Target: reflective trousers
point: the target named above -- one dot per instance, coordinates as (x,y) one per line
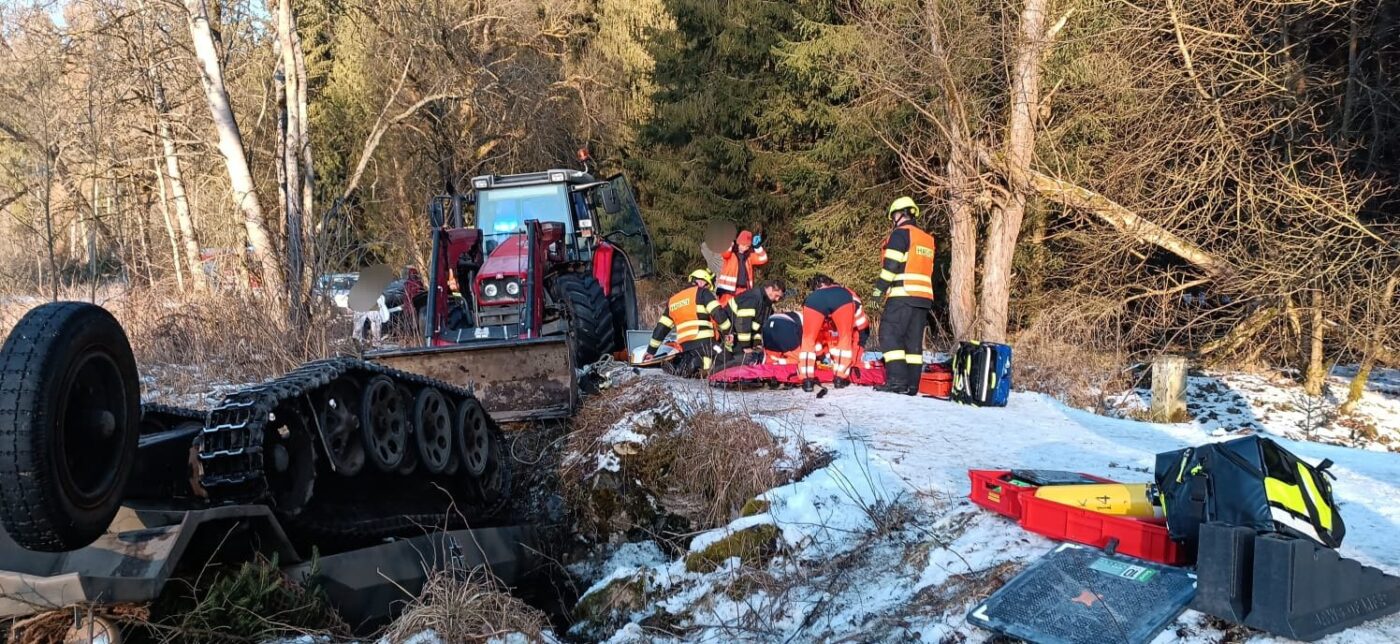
(902,340)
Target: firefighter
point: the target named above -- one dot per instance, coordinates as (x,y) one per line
(697,319)
(782,337)
(906,281)
(740,260)
(827,301)
(748,311)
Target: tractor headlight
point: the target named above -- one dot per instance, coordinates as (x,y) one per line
(512,288)
(490,290)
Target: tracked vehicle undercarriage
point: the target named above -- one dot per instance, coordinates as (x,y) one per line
(340,449)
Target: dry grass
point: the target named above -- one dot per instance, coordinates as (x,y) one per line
(1068,354)
(467,606)
(725,459)
(191,342)
(697,463)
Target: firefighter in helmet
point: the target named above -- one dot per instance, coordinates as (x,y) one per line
(698,320)
(906,283)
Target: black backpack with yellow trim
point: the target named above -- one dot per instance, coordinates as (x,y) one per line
(1251,482)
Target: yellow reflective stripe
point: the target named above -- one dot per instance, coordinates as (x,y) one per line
(705,363)
(666,321)
(724,326)
(886,275)
(1289,496)
(745,337)
(892,356)
(916,277)
(895,255)
(748,313)
(710,308)
(655,344)
(684,326)
(909,291)
(914,358)
(1324,512)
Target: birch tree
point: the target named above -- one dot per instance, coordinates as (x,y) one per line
(230,144)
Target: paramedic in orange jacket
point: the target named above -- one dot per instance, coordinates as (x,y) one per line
(739,263)
(698,321)
(906,282)
(827,301)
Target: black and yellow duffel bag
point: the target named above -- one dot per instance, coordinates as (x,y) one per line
(1250,482)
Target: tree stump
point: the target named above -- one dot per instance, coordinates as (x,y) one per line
(1169,390)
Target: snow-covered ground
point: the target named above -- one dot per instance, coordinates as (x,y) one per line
(1275,403)
(882,545)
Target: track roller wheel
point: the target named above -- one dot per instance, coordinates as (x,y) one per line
(340,428)
(289,455)
(384,423)
(409,465)
(473,437)
(432,429)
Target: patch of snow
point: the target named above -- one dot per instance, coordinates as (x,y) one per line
(850,572)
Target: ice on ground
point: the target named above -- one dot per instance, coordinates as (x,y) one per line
(882,545)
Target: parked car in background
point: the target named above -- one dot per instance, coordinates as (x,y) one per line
(335,286)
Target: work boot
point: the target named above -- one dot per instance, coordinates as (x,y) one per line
(911,391)
(840,383)
(892,388)
(808,384)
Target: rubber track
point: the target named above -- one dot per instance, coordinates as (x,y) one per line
(230,446)
(169,413)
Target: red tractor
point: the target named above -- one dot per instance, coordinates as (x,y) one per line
(532,277)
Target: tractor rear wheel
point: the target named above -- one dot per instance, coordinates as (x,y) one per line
(590,317)
(70,413)
(622,299)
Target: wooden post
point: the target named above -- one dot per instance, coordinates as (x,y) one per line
(1169,390)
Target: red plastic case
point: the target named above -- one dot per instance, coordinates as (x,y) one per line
(991,491)
(937,384)
(1136,537)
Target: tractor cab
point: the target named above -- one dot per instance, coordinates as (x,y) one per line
(553,253)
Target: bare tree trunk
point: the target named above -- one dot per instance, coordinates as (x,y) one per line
(1374,349)
(170,231)
(308,169)
(962,171)
(183,217)
(1005,224)
(290,158)
(1317,372)
(962,228)
(245,194)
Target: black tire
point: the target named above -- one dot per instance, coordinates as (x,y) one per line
(590,318)
(70,413)
(622,299)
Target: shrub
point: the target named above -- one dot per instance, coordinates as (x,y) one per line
(467,606)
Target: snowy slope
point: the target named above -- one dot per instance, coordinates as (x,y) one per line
(914,583)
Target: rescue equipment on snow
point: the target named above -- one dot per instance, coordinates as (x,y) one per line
(1251,482)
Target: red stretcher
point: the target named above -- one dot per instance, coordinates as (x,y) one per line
(762,374)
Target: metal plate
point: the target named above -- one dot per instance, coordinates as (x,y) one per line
(516,380)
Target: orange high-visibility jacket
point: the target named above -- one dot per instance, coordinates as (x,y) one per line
(737,274)
(693,313)
(908,264)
